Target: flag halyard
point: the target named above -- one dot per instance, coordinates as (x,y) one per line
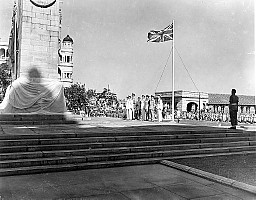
(161,36)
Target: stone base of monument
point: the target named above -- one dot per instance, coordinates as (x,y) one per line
(34,100)
(35,119)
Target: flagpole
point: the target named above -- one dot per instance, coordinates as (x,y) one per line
(173,72)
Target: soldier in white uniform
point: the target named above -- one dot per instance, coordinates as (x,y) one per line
(159,107)
(129,108)
(143,115)
(133,105)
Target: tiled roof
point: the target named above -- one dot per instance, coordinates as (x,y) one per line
(224,99)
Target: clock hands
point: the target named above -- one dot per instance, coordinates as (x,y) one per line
(42,5)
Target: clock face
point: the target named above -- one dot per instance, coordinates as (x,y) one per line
(43,3)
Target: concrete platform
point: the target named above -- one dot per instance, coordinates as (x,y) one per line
(121,183)
(154,181)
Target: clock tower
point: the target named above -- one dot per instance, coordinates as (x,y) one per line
(38,31)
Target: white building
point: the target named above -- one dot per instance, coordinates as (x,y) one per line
(66,64)
(192,101)
(185,100)
(4,56)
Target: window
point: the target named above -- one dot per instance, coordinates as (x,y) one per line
(2,53)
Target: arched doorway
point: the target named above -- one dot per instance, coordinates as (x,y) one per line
(191,106)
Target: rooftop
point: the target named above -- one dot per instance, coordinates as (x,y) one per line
(224,99)
(68,39)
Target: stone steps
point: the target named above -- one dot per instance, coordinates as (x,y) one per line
(130,144)
(84,149)
(78,166)
(96,165)
(35,119)
(118,156)
(81,134)
(35,140)
(29,117)
(44,122)
(119,150)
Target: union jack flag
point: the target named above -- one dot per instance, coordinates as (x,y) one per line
(161,36)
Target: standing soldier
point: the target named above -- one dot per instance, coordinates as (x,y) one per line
(129,108)
(138,109)
(178,115)
(133,105)
(151,110)
(142,104)
(159,107)
(146,106)
(233,108)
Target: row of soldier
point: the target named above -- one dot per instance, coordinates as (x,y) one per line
(145,108)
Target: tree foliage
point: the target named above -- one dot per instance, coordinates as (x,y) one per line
(109,97)
(5,78)
(77,97)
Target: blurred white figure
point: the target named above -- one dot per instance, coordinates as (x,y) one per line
(159,107)
(129,106)
(142,105)
(178,115)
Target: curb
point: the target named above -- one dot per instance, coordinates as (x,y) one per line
(212,177)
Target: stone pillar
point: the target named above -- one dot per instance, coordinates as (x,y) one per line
(38,38)
(252,109)
(226,109)
(247,109)
(240,110)
(179,104)
(222,109)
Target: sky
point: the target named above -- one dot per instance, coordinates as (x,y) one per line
(214,42)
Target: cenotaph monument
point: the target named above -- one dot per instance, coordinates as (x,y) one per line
(34,51)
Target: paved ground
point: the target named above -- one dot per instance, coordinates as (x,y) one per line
(133,182)
(117,122)
(122,183)
(241,167)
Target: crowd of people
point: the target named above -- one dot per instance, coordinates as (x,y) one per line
(208,115)
(152,108)
(145,108)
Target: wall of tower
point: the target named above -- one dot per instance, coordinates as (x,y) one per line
(38,39)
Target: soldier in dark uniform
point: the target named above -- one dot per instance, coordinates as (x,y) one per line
(233,108)
(133,106)
(138,109)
